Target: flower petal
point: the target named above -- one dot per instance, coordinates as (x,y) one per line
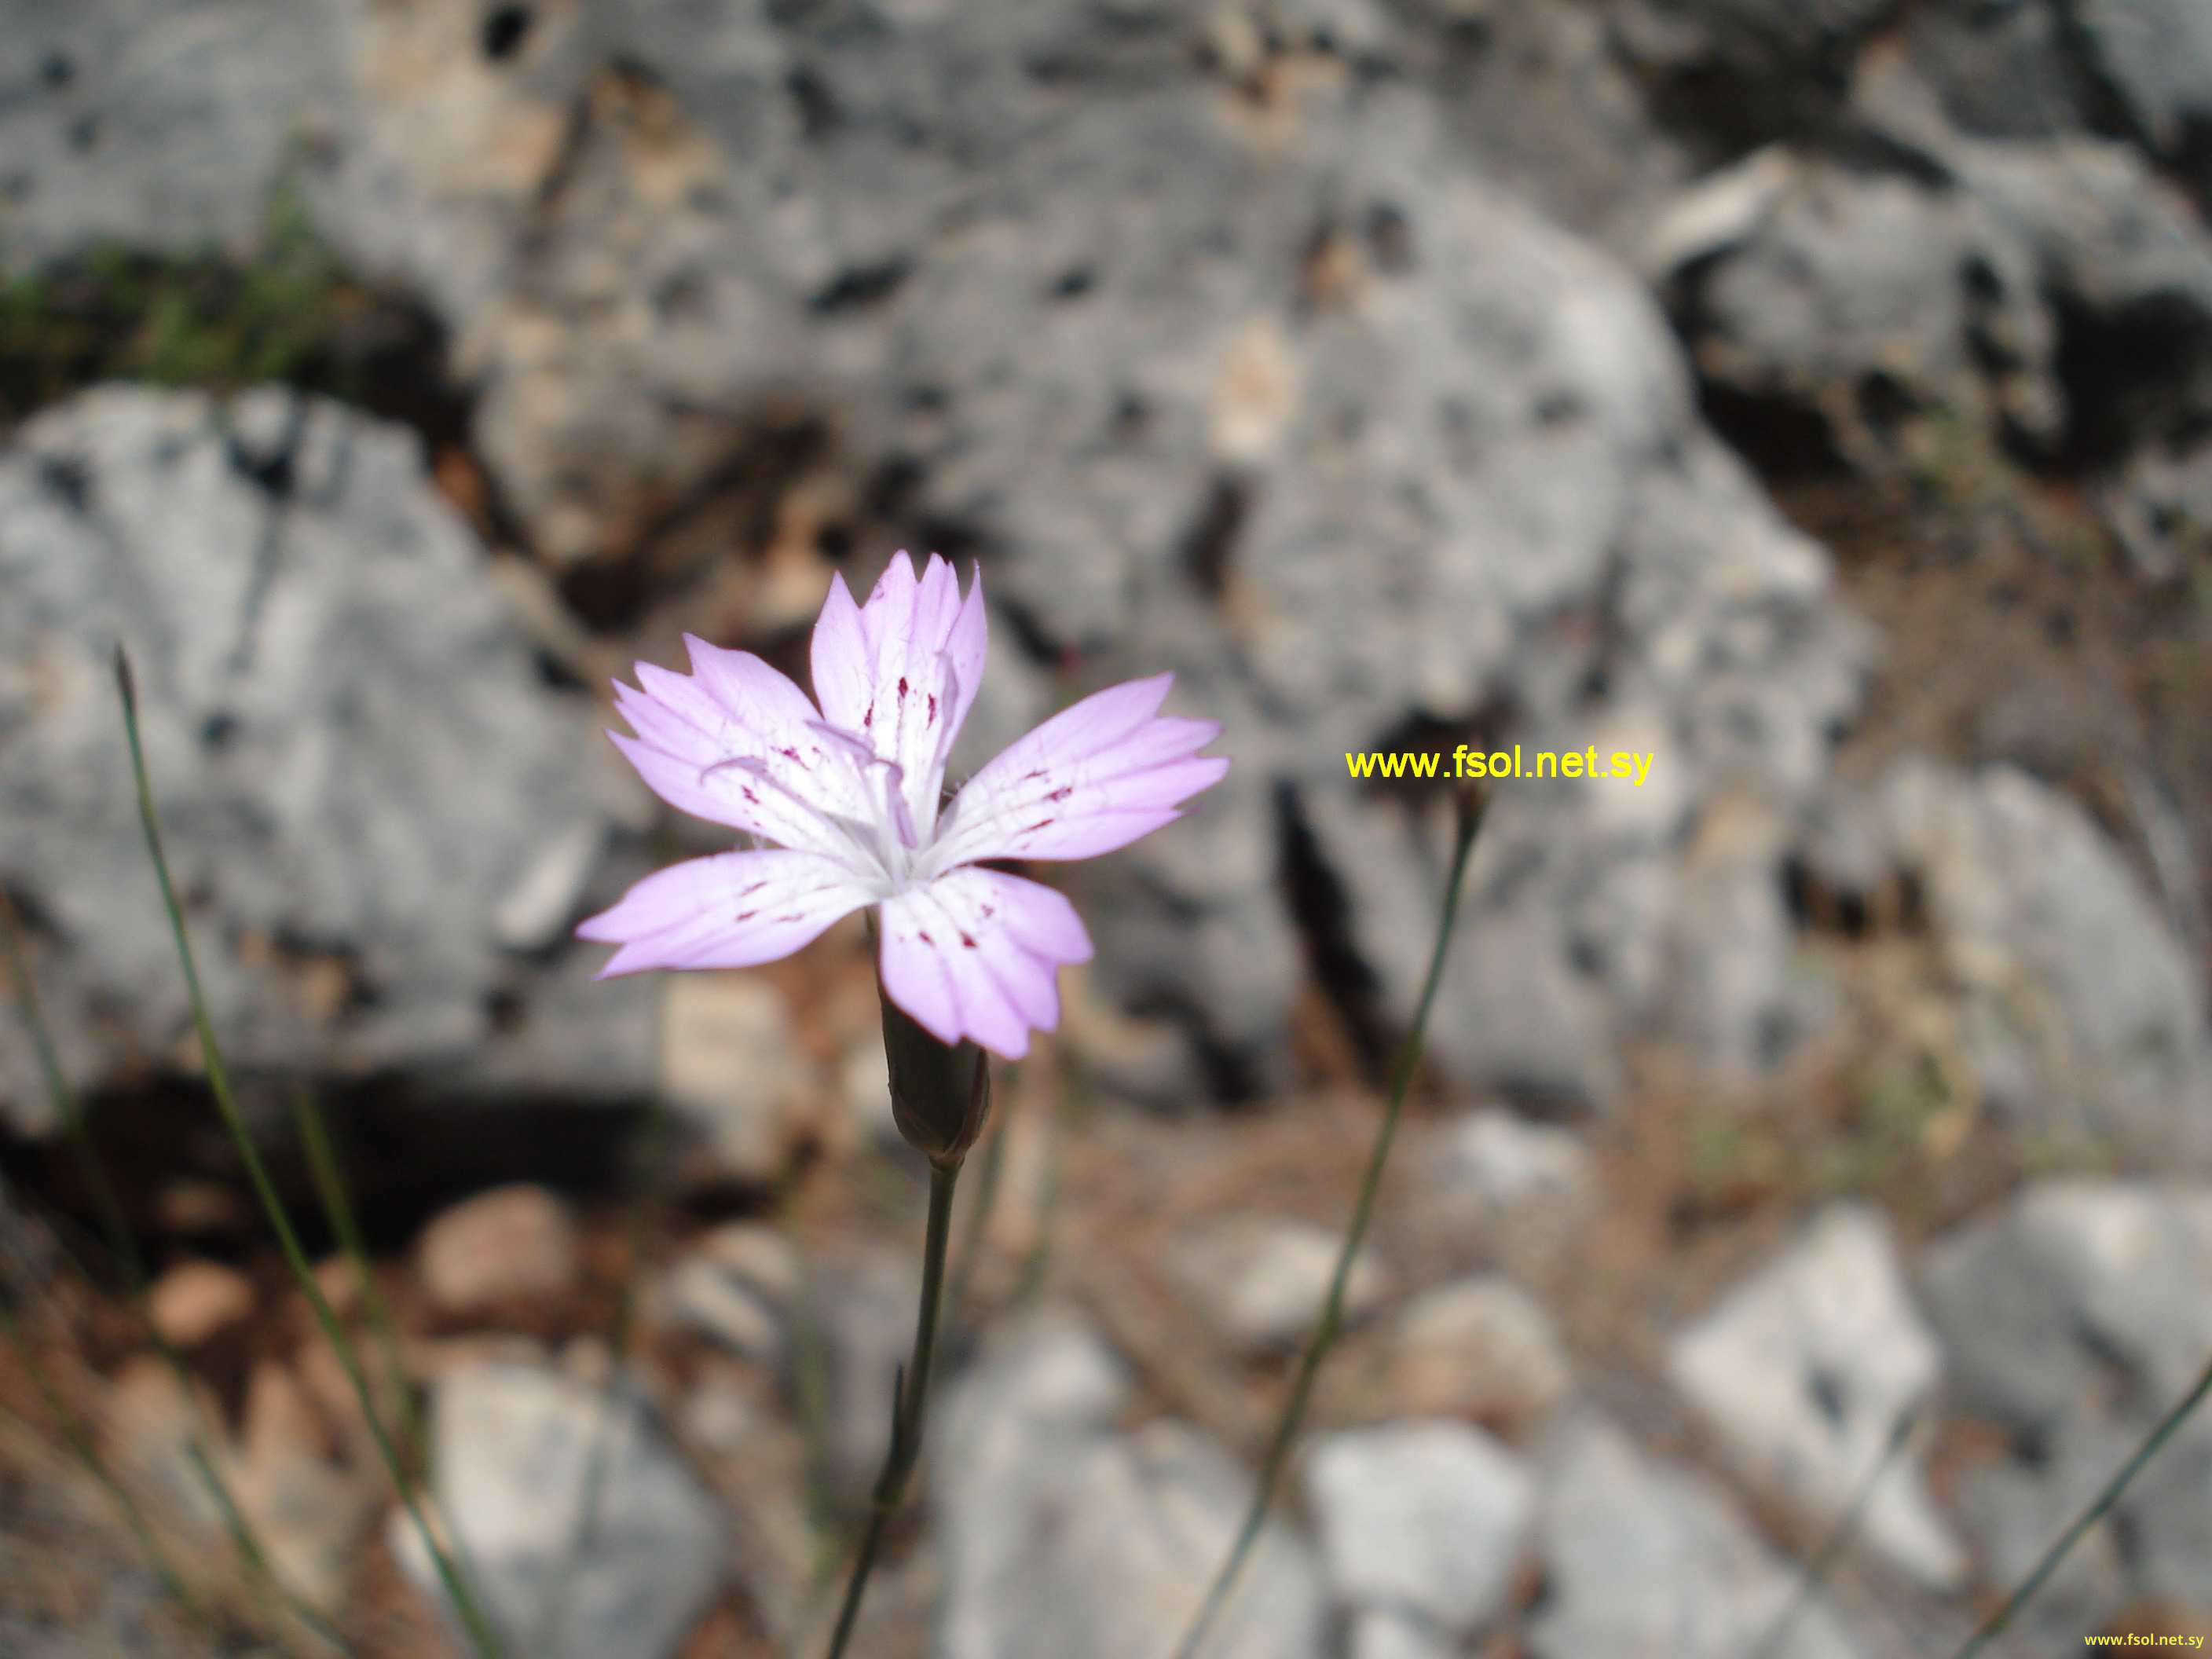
(735,742)
(1091,779)
(975,953)
(731,910)
(901,672)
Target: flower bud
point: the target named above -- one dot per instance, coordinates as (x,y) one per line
(940,1095)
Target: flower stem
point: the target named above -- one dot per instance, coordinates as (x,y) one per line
(910,1400)
(979,1222)
(1332,1312)
(2097,1511)
(479,1629)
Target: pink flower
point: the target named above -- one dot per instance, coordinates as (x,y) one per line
(850,797)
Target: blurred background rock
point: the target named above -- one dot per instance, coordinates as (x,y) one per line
(1817,395)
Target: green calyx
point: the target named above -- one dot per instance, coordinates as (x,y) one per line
(940,1095)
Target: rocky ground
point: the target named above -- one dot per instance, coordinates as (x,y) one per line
(1818,1138)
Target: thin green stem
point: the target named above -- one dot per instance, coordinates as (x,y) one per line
(329,1176)
(123,1243)
(910,1403)
(810,1380)
(979,1221)
(2099,1507)
(478,1628)
(1331,1313)
(1822,1561)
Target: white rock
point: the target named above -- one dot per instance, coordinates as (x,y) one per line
(1805,1372)
(1481,1348)
(1380,1633)
(1262,1279)
(1058,1536)
(1641,1557)
(1428,1517)
(511,1445)
(1495,1158)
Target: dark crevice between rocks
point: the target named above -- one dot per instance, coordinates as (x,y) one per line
(506,30)
(858,288)
(406,1153)
(1209,545)
(1321,910)
(732,505)
(1721,112)
(1782,441)
(820,116)
(2099,99)
(1780,438)
(1485,730)
(1028,631)
(1824,1389)
(2126,375)
(1897,906)
(293,315)
(1854,148)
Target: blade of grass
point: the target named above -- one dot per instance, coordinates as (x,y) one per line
(329,1176)
(478,1628)
(1332,1312)
(1822,1561)
(123,1244)
(2099,1506)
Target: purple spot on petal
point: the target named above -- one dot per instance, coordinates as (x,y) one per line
(1026,776)
(749,795)
(1061,793)
(869,719)
(932,710)
(923,937)
(793,916)
(1041,824)
(990,910)
(747,915)
(968,941)
(790,755)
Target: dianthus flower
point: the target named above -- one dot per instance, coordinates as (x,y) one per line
(850,798)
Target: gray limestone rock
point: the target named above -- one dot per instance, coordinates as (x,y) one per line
(2074,1319)
(511,1446)
(1806,1372)
(1058,1535)
(1426,1518)
(1209,337)
(2084,1017)
(1645,1558)
(360,775)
